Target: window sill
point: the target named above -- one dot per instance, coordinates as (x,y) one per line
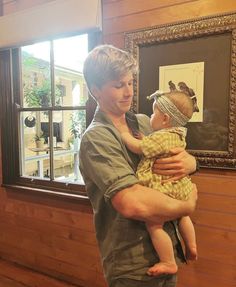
(26,192)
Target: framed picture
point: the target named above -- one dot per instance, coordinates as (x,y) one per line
(201,53)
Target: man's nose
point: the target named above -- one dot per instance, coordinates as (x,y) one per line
(128,90)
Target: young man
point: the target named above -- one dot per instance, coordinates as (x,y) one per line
(120,204)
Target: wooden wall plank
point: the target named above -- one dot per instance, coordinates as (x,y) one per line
(190,277)
(128,7)
(215,202)
(219,235)
(213,268)
(26,278)
(66,251)
(116,40)
(76,274)
(6,282)
(215,219)
(216,183)
(68,218)
(62,231)
(0,162)
(57,238)
(166,15)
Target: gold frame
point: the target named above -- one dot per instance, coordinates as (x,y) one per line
(224,24)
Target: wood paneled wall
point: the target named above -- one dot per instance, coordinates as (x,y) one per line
(121,16)
(50,235)
(56,237)
(215,223)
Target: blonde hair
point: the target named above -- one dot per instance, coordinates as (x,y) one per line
(106,63)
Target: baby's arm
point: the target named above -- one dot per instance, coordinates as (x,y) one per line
(131,142)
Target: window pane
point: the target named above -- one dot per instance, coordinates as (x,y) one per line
(66,165)
(68,127)
(50,137)
(69,56)
(34,149)
(36,76)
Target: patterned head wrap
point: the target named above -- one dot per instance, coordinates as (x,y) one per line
(166,106)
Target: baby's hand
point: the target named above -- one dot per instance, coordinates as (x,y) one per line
(138,135)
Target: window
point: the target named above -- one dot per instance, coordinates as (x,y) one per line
(46,107)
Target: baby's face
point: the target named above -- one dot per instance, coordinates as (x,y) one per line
(157,119)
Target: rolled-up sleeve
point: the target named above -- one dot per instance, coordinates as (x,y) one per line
(104,158)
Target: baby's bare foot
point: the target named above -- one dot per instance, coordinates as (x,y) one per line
(162,268)
(191,253)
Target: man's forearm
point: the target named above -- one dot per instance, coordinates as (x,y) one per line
(146,204)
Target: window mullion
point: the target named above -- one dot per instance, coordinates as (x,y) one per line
(22,144)
(50,113)
(52,65)
(51,154)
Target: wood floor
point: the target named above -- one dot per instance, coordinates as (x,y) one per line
(12,275)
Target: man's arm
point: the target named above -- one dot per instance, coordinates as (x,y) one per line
(180,164)
(146,204)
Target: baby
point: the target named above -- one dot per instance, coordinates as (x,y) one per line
(171,111)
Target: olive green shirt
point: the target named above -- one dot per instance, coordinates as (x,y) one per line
(158,145)
(108,167)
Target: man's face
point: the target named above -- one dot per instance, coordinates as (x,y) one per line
(115,97)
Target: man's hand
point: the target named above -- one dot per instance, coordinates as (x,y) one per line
(176,166)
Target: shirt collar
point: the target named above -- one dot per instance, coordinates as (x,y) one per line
(131,120)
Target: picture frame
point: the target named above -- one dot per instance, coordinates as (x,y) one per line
(209,40)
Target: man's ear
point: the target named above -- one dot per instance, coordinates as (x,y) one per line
(95,92)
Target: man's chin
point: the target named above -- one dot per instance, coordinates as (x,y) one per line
(126,108)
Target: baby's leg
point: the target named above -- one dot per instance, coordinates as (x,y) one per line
(163,246)
(187,232)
